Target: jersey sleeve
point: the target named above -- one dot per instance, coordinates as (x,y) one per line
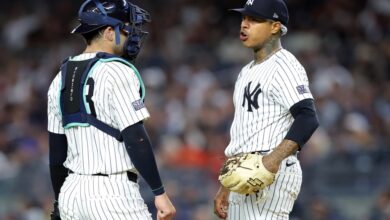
(54,116)
(126,103)
(290,84)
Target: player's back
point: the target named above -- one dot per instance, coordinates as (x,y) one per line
(114,89)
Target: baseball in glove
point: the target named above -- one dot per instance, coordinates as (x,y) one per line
(245,174)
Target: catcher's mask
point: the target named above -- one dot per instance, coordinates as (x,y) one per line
(95,14)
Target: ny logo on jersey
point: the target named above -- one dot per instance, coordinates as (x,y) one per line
(249,2)
(251,97)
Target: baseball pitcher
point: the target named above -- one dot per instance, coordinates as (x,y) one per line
(274,117)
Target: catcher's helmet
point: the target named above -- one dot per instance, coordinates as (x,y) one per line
(95,14)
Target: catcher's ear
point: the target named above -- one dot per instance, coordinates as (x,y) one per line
(276,27)
(109,33)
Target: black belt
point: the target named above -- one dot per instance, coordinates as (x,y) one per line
(130,175)
(262,152)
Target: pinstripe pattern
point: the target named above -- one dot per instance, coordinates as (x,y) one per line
(91,151)
(263,95)
(264,128)
(97,197)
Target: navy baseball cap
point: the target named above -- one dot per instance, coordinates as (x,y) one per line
(269,9)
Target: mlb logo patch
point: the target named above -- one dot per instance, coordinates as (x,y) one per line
(249,2)
(303,89)
(137,105)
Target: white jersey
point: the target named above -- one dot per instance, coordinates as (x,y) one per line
(117,102)
(263,95)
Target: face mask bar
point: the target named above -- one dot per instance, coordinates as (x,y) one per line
(138,16)
(133,44)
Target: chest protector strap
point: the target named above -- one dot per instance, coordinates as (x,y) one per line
(76,102)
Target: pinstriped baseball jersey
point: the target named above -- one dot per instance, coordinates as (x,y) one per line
(263,95)
(116,100)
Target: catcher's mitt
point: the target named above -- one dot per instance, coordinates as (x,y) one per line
(245,174)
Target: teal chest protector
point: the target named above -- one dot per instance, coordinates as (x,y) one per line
(76,102)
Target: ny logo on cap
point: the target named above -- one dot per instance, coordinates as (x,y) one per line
(275,15)
(249,2)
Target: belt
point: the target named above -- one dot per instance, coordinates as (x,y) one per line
(264,152)
(261,152)
(130,175)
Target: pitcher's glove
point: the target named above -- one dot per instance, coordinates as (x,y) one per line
(245,174)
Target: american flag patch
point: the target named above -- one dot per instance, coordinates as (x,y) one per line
(137,105)
(303,89)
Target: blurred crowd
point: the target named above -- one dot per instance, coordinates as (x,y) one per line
(189,63)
